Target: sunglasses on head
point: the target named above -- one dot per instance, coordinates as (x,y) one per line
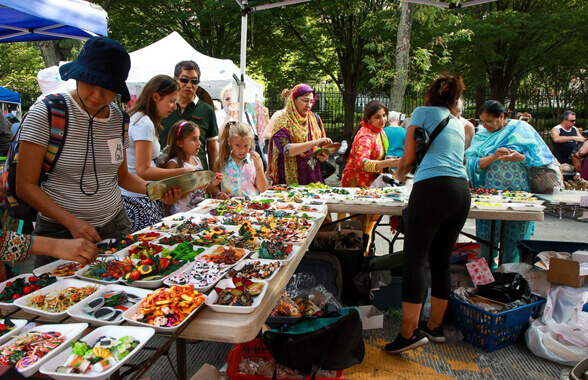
(186,80)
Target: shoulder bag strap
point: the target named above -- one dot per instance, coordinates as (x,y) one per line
(436,132)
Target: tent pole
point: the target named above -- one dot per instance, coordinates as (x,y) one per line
(244,12)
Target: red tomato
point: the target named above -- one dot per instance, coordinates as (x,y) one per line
(15,296)
(26,289)
(33,279)
(9,283)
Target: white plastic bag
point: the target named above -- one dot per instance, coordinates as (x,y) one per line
(562,333)
(547,344)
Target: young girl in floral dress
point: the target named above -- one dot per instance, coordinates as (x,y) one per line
(242,167)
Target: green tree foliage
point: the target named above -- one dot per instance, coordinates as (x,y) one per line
(18,72)
(513,38)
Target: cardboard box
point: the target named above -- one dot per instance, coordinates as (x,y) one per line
(580,256)
(327,237)
(371,318)
(565,272)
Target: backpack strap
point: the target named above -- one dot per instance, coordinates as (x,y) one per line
(125,126)
(58,119)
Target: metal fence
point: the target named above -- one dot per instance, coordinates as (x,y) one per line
(545,108)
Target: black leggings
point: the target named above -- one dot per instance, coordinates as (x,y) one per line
(437,210)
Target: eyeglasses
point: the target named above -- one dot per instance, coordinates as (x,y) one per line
(572,121)
(186,80)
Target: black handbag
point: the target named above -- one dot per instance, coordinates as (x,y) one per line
(332,342)
(327,169)
(424,141)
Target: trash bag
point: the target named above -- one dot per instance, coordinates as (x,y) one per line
(562,333)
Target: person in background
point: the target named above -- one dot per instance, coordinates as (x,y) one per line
(432,226)
(366,155)
(524,116)
(468,127)
(395,134)
(499,158)
(15,122)
(240,165)
(6,135)
(190,108)
(157,101)
(565,136)
(297,134)
(81,197)
(183,141)
(267,133)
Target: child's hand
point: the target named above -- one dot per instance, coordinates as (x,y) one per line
(172,196)
(222,196)
(256,160)
(218,177)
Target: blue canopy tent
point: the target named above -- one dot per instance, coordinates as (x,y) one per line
(37,20)
(7,96)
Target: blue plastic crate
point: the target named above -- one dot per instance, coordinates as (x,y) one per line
(491,331)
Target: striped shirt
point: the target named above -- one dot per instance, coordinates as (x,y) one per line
(63,183)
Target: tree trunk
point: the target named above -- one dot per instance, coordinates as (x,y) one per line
(402,55)
(480,98)
(50,52)
(349,107)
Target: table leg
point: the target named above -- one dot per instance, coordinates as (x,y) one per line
(492,248)
(501,242)
(181,361)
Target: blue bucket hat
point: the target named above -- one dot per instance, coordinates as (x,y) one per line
(102,62)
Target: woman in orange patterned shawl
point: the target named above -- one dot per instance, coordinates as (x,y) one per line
(296,136)
(366,155)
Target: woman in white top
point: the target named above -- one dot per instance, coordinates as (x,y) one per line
(156,102)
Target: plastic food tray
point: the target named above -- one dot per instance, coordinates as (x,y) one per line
(295,250)
(48,268)
(23,302)
(142,334)
(10,306)
(77,312)
(72,331)
(18,325)
(241,264)
(492,331)
(127,315)
(223,284)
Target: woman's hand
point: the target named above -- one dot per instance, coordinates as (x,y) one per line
(392,162)
(187,170)
(323,141)
(80,250)
(322,156)
(83,229)
(513,156)
(172,196)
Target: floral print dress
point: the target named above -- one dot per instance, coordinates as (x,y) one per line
(240,178)
(369,146)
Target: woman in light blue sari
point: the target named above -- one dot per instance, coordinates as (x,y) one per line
(498,158)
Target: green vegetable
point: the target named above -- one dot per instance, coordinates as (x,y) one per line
(125,346)
(80,348)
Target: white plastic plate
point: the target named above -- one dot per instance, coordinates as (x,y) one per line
(526,207)
(72,331)
(240,265)
(10,306)
(154,284)
(48,268)
(80,273)
(142,334)
(128,316)
(77,312)
(18,325)
(24,302)
(295,250)
(494,207)
(213,297)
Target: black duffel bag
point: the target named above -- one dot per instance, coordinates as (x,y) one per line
(332,342)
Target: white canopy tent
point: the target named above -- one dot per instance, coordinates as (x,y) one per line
(161,58)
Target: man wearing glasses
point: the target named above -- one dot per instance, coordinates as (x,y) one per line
(565,136)
(190,108)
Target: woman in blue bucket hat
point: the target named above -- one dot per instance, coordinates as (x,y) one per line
(80,197)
